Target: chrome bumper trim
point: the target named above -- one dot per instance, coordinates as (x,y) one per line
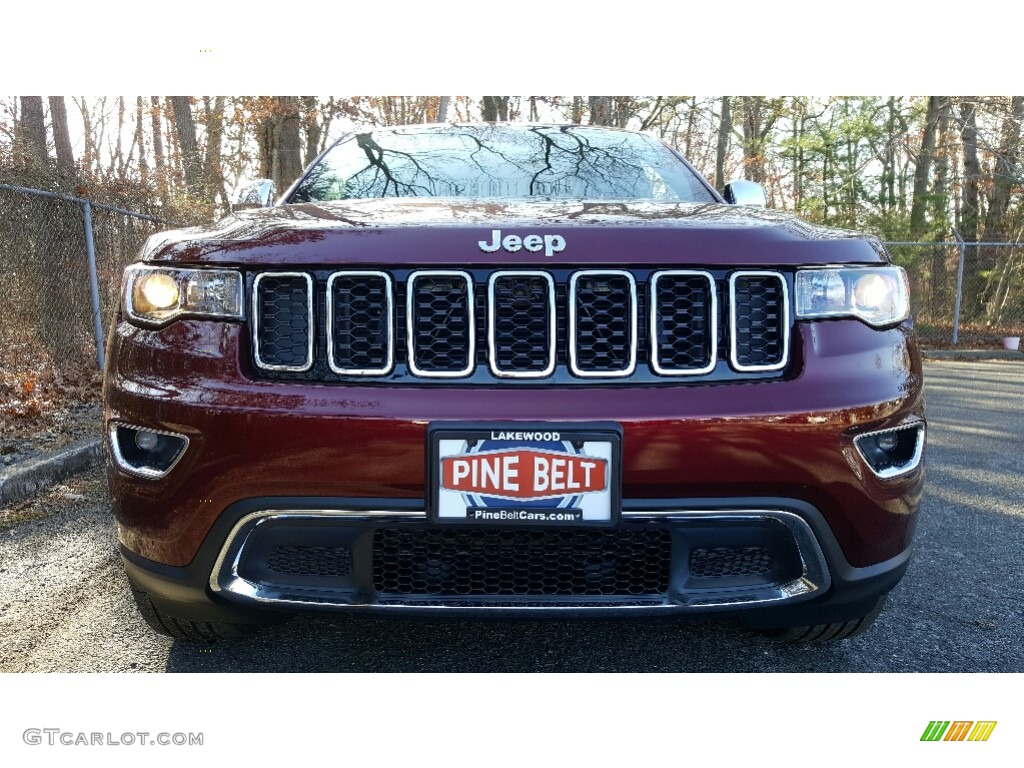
(814,579)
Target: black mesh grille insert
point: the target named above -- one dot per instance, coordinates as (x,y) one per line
(683,322)
(360,310)
(759,320)
(441,319)
(730,561)
(603,303)
(310,561)
(521,330)
(521,562)
(282,321)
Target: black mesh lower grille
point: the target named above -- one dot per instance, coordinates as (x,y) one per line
(521,562)
(604,309)
(360,313)
(310,561)
(759,320)
(441,318)
(722,562)
(521,330)
(283,332)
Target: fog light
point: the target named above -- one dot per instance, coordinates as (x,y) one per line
(147,441)
(145,452)
(892,452)
(887,441)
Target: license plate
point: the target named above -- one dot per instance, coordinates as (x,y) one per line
(524,474)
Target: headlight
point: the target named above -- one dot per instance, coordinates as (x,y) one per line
(877,295)
(158,295)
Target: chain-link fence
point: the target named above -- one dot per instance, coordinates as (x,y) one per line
(964,294)
(61,258)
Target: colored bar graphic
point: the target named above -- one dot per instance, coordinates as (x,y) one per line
(959,730)
(935,730)
(982,730)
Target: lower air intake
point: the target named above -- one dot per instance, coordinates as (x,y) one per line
(521,562)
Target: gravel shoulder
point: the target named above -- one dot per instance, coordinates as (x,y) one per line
(65,606)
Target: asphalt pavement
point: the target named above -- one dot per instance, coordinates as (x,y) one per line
(65,606)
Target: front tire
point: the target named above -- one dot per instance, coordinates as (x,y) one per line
(827,633)
(184,629)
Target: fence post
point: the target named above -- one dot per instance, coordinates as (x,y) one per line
(959,288)
(94,283)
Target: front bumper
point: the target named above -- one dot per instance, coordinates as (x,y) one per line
(233,577)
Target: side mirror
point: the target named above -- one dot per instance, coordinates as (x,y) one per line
(255,194)
(742,192)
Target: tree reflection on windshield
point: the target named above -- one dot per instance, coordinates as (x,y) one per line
(487,161)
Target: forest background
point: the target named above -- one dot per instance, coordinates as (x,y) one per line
(924,169)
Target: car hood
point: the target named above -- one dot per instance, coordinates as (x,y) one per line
(456,231)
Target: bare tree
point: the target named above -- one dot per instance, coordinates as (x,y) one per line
(494,108)
(919,205)
(140,138)
(278,137)
(185,129)
(214,113)
(33,130)
(724,131)
(61,135)
(311,127)
(601,110)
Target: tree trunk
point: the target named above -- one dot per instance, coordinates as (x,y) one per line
(158,141)
(797,165)
(577,109)
(972,171)
(174,175)
(724,131)
(442,109)
(61,135)
(1005,175)
(494,108)
(311,125)
(286,153)
(753,161)
(140,138)
(87,133)
(601,110)
(33,130)
(971,198)
(213,171)
(117,159)
(186,132)
(940,205)
(919,205)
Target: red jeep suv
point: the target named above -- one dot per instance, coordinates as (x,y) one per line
(499,370)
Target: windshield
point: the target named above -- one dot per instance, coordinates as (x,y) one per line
(488,161)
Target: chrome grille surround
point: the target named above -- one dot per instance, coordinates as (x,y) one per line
(388,313)
(492,324)
(573,336)
(256,314)
(711,335)
(734,360)
(410,319)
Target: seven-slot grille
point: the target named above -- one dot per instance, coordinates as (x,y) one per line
(521,324)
